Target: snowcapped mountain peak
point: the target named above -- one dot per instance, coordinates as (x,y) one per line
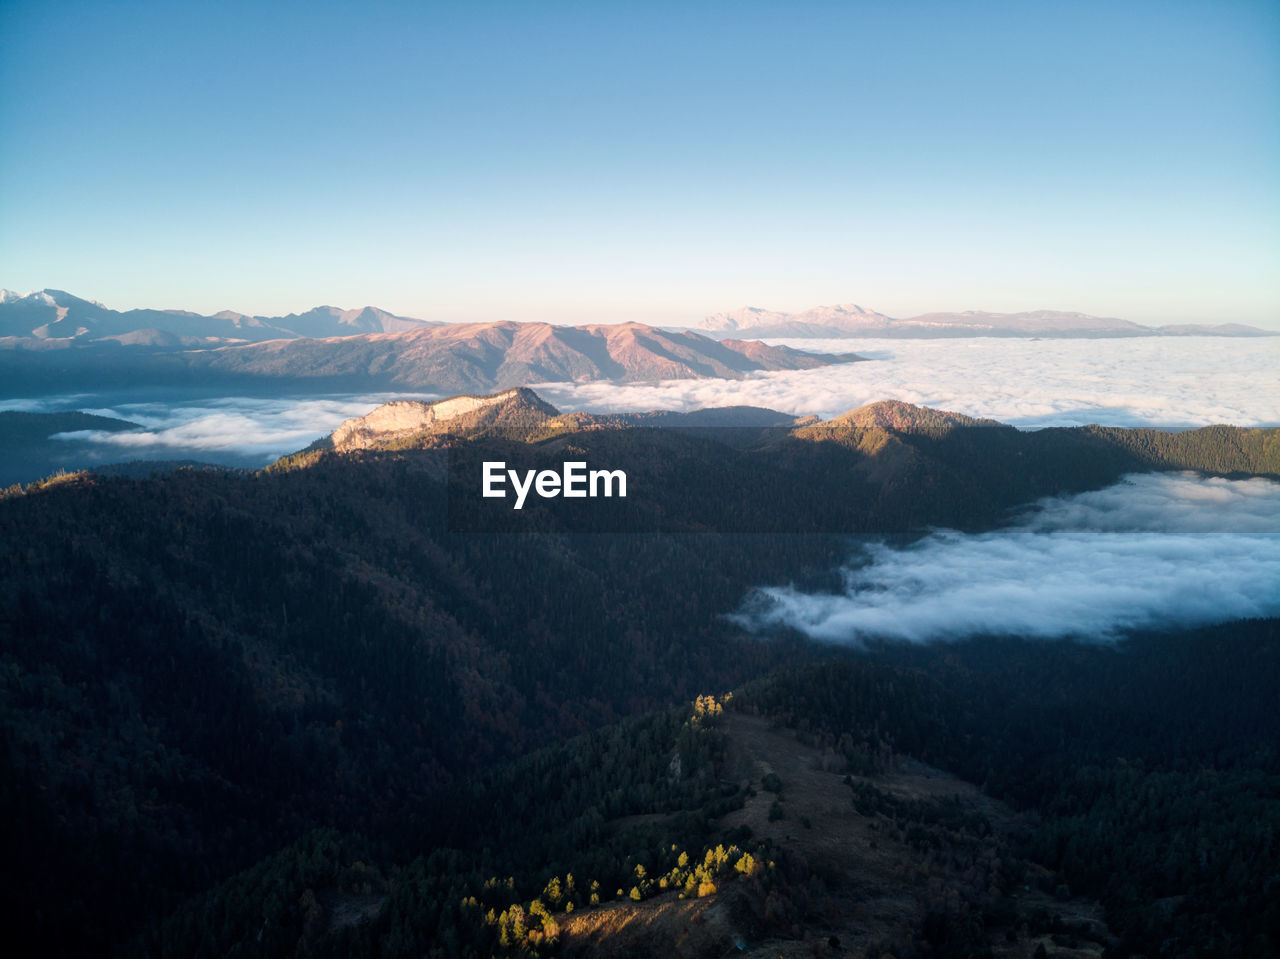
(740,319)
(45,297)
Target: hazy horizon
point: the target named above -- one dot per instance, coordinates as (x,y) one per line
(625,316)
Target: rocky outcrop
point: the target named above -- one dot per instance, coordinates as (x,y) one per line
(402,419)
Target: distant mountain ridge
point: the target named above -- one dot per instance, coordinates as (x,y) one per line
(52,318)
(454,358)
(850,319)
(469,357)
(58,315)
(51,338)
(820,321)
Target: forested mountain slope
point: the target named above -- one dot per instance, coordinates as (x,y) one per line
(199,668)
(795,817)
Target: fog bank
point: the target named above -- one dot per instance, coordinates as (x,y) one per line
(1165,381)
(1153,550)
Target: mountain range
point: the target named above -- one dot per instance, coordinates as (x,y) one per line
(850,319)
(54,318)
(462,357)
(495,355)
(55,315)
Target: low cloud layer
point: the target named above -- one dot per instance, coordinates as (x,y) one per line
(1166,381)
(1154,550)
(237,430)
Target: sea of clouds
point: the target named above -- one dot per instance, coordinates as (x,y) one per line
(234,430)
(1153,550)
(1166,381)
(1157,381)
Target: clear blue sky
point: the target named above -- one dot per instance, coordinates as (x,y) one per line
(656,161)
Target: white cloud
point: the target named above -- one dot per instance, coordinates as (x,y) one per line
(1170,381)
(45,404)
(236,429)
(1164,503)
(1166,381)
(1153,550)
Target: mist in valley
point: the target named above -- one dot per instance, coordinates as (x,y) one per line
(1153,551)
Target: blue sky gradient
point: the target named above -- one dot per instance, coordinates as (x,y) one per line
(649,161)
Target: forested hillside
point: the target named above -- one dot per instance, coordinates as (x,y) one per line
(199,669)
(200,666)
(800,806)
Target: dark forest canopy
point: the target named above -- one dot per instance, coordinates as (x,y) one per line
(200,669)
